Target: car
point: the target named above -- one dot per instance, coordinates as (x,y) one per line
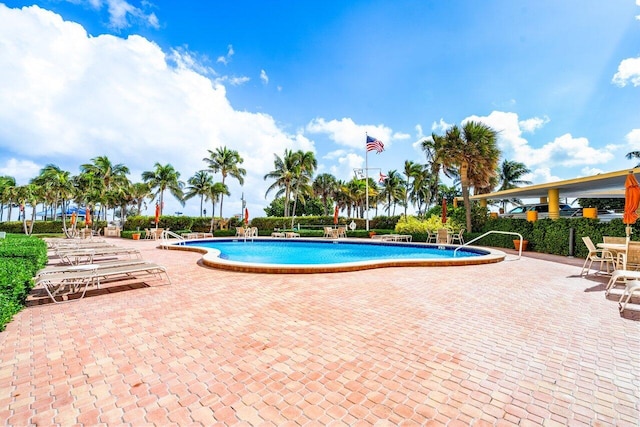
(541,208)
(604,215)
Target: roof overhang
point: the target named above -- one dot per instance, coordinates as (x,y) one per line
(604,185)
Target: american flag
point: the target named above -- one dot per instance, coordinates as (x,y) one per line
(373,144)
(382,177)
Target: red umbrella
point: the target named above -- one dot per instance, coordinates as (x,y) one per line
(157,214)
(631,201)
(444,210)
(335,215)
(246,216)
(87,216)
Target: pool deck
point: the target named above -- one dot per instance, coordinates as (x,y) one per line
(522,342)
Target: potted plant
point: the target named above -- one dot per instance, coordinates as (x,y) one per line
(516,244)
(136,236)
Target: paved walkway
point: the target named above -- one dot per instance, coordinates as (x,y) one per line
(523,343)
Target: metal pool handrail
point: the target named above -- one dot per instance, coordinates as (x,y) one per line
(492,232)
(164,238)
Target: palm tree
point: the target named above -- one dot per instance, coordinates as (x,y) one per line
(634,155)
(392,190)
(412,171)
(58,188)
(474,151)
(108,174)
(6,182)
(510,176)
(283,174)
(305,165)
(435,150)
(226,162)
(139,191)
(215,192)
(164,177)
(324,186)
(199,185)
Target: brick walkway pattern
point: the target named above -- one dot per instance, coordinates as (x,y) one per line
(525,343)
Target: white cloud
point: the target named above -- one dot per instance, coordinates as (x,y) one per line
(68,97)
(225,59)
(349,134)
(587,171)
(440,126)
(563,151)
(21,170)
(122,14)
(530,125)
(633,139)
(264,77)
(346,164)
(628,72)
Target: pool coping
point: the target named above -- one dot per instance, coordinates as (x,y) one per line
(210,258)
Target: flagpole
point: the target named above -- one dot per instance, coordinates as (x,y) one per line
(366,180)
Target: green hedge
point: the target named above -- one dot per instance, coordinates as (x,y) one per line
(20,257)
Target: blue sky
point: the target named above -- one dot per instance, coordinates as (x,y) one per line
(164,81)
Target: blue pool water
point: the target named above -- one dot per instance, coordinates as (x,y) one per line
(302,252)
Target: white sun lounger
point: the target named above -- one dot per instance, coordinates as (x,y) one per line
(70,282)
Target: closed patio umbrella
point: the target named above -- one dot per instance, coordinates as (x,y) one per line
(73,218)
(246,217)
(87,216)
(631,202)
(157,214)
(335,215)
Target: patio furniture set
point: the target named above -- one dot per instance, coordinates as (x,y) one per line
(619,258)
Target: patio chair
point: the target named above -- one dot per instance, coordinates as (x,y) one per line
(631,287)
(443,236)
(241,232)
(432,237)
(629,260)
(341,232)
(457,237)
(603,256)
(613,239)
(329,233)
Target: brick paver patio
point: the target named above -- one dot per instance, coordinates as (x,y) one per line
(525,342)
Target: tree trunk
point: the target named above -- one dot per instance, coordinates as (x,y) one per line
(464,181)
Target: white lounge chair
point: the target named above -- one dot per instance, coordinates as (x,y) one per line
(71,282)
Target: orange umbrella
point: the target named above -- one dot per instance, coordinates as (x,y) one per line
(444,210)
(246,217)
(631,201)
(73,219)
(157,214)
(87,216)
(335,215)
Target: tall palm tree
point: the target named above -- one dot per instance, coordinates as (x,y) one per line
(510,176)
(324,186)
(108,174)
(199,185)
(283,175)
(412,171)
(6,182)
(215,192)
(435,151)
(227,163)
(305,166)
(634,155)
(474,151)
(392,190)
(420,189)
(139,191)
(58,188)
(162,178)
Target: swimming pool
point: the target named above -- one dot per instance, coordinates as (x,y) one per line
(315,256)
